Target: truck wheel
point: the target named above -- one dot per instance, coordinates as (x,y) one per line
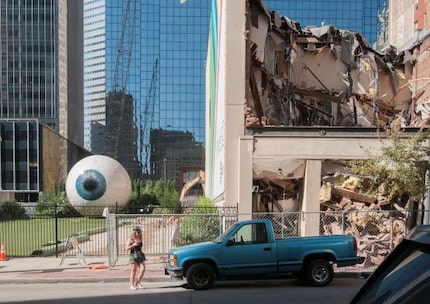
(319,272)
(200,276)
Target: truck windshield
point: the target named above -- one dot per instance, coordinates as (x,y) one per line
(220,238)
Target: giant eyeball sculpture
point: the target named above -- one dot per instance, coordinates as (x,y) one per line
(96,182)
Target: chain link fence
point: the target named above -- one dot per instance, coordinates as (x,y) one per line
(376,232)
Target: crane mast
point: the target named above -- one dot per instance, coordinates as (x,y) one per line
(118,101)
(148,115)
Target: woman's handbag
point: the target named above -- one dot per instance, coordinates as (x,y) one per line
(138,256)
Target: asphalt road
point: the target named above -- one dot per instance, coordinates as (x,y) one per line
(340,291)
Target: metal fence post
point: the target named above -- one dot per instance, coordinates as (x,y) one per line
(56,229)
(391,235)
(163,236)
(343,221)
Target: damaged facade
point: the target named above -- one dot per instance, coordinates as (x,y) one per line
(291,105)
(319,76)
(314,77)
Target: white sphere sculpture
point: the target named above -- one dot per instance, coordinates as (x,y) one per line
(96,182)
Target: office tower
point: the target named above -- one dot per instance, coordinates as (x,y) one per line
(41,93)
(41,64)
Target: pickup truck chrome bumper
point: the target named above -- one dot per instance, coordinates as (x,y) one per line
(174,272)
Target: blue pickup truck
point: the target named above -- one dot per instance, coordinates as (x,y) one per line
(249,249)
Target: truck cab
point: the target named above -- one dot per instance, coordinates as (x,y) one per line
(249,250)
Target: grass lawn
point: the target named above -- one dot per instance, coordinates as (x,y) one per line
(22,237)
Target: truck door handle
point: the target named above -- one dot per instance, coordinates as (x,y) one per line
(267,248)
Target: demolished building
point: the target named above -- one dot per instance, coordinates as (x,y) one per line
(319,76)
(288,106)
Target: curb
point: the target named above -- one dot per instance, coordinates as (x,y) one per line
(353,275)
(107,279)
(78,280)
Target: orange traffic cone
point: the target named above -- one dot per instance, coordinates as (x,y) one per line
(3,253)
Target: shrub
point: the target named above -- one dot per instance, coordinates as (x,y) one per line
(201,225)
(55,203)
(12,211)
(144,203)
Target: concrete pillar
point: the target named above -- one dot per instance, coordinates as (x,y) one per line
(244,182)
(310,221)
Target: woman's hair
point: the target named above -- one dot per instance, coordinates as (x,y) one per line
(133,235)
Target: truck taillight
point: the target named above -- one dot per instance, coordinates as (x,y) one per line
(355,244)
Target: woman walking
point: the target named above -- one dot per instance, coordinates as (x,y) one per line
(137,258)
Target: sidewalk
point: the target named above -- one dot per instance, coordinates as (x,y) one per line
(48,270)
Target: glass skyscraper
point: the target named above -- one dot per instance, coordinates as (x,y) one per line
(40,57)
(41,92)
(359,16)
(156,50)
(30,52)
(162,57)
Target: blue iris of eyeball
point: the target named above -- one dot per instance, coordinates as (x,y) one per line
(96,182)
(91,185)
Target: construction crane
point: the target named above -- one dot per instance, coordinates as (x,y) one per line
(117,97)
(197,184)
(148,116)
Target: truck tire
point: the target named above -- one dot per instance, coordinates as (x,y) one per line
(319,272)
(200,276)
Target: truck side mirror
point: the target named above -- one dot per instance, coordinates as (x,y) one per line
(231,242)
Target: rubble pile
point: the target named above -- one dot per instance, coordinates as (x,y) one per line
(377,224)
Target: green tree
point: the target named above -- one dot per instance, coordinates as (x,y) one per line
(140,201)
(149,187)
(201,225)
(166,195)
(401,167)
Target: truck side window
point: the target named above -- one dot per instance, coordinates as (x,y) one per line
(243,235)
(251,234)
